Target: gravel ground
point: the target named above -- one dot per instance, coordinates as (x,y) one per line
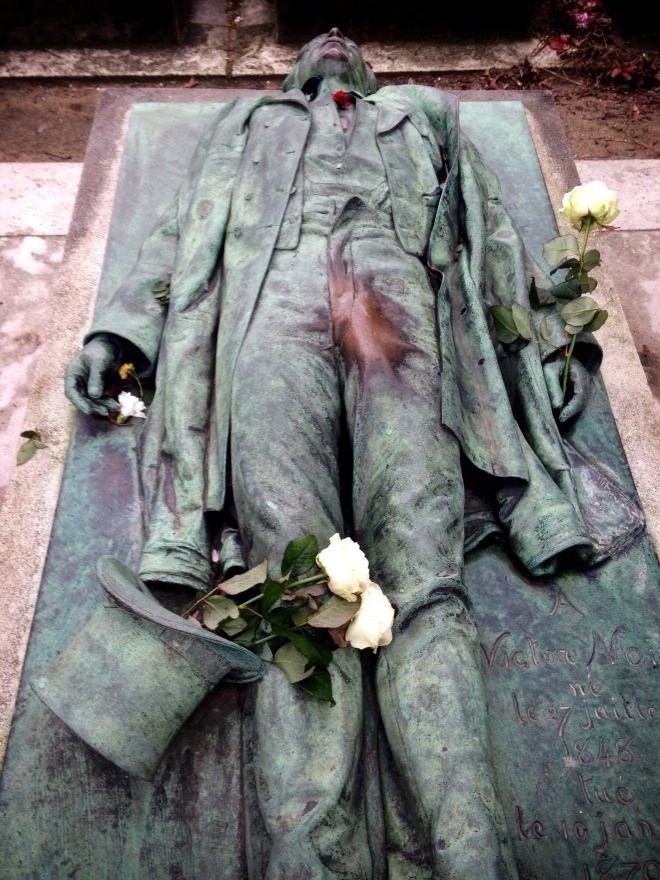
(50,121)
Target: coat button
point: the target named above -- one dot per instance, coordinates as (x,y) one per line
(237,231)
(293,190)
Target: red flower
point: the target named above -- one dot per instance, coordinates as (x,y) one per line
(559,42)
(342,99)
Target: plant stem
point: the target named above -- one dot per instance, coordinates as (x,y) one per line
(586,229)
(569,354)
(266,639)
(313,579)
(195,605)
(250,601)
(137,379)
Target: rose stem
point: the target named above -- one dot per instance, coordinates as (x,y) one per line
(564,383)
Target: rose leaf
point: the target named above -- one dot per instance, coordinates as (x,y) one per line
(292,663)
(564,247)
(216,609)
(242,582)
(299,556)
(334,613)
(319,685)
(521,321)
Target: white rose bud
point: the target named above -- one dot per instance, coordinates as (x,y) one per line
(131,406)
(372,625)
(593,200)
(346,566)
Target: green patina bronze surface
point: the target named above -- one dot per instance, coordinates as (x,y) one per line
(567,660)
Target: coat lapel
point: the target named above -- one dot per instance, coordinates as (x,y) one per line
(413,164)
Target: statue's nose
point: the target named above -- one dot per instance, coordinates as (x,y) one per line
(335,32)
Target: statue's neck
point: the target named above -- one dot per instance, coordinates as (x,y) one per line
(335,84)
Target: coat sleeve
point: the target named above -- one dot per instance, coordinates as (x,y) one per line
(135,312)
(557,508)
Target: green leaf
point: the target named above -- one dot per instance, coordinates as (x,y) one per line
(216,609)
(25,452)
(544,330)
(559,249)
(567,289)
(301,593)
(571,264)
(232,628)
(299,556)
(242,582)
(580,311)
(310,645)
(292,663)
(590,260)
(280,619)
(573,329)
(319,685)
(521,320)
(587,284)
(248,635)
(597,321)
(538,298)
(335,612)
(505,326)
(272,592)
(301,615)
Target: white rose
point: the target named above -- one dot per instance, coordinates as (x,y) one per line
(346,566)
(131,406)
(593,200)
(372,625)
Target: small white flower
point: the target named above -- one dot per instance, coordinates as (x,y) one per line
(131,406)
(593,200)
(346,566)
(372,625)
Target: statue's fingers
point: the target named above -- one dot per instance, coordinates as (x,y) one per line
(552,373)
(95,383)
(104,406)
(74,381)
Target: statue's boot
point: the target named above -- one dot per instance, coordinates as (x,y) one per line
(434,712)
(135,672)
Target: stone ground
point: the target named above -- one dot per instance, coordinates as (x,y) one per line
(48,100)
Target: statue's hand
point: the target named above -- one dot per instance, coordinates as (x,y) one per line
(578,387)
(84,382)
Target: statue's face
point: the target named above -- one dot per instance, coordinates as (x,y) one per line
(332,55)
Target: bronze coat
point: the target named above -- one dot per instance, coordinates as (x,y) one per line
(214,249)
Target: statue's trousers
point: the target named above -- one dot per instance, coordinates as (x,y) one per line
(339,375)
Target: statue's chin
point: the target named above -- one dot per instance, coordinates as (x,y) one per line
(333,66)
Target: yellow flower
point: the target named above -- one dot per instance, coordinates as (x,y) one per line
(591,200)
(126,370)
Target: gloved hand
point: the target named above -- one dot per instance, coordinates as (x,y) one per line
(86,373)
